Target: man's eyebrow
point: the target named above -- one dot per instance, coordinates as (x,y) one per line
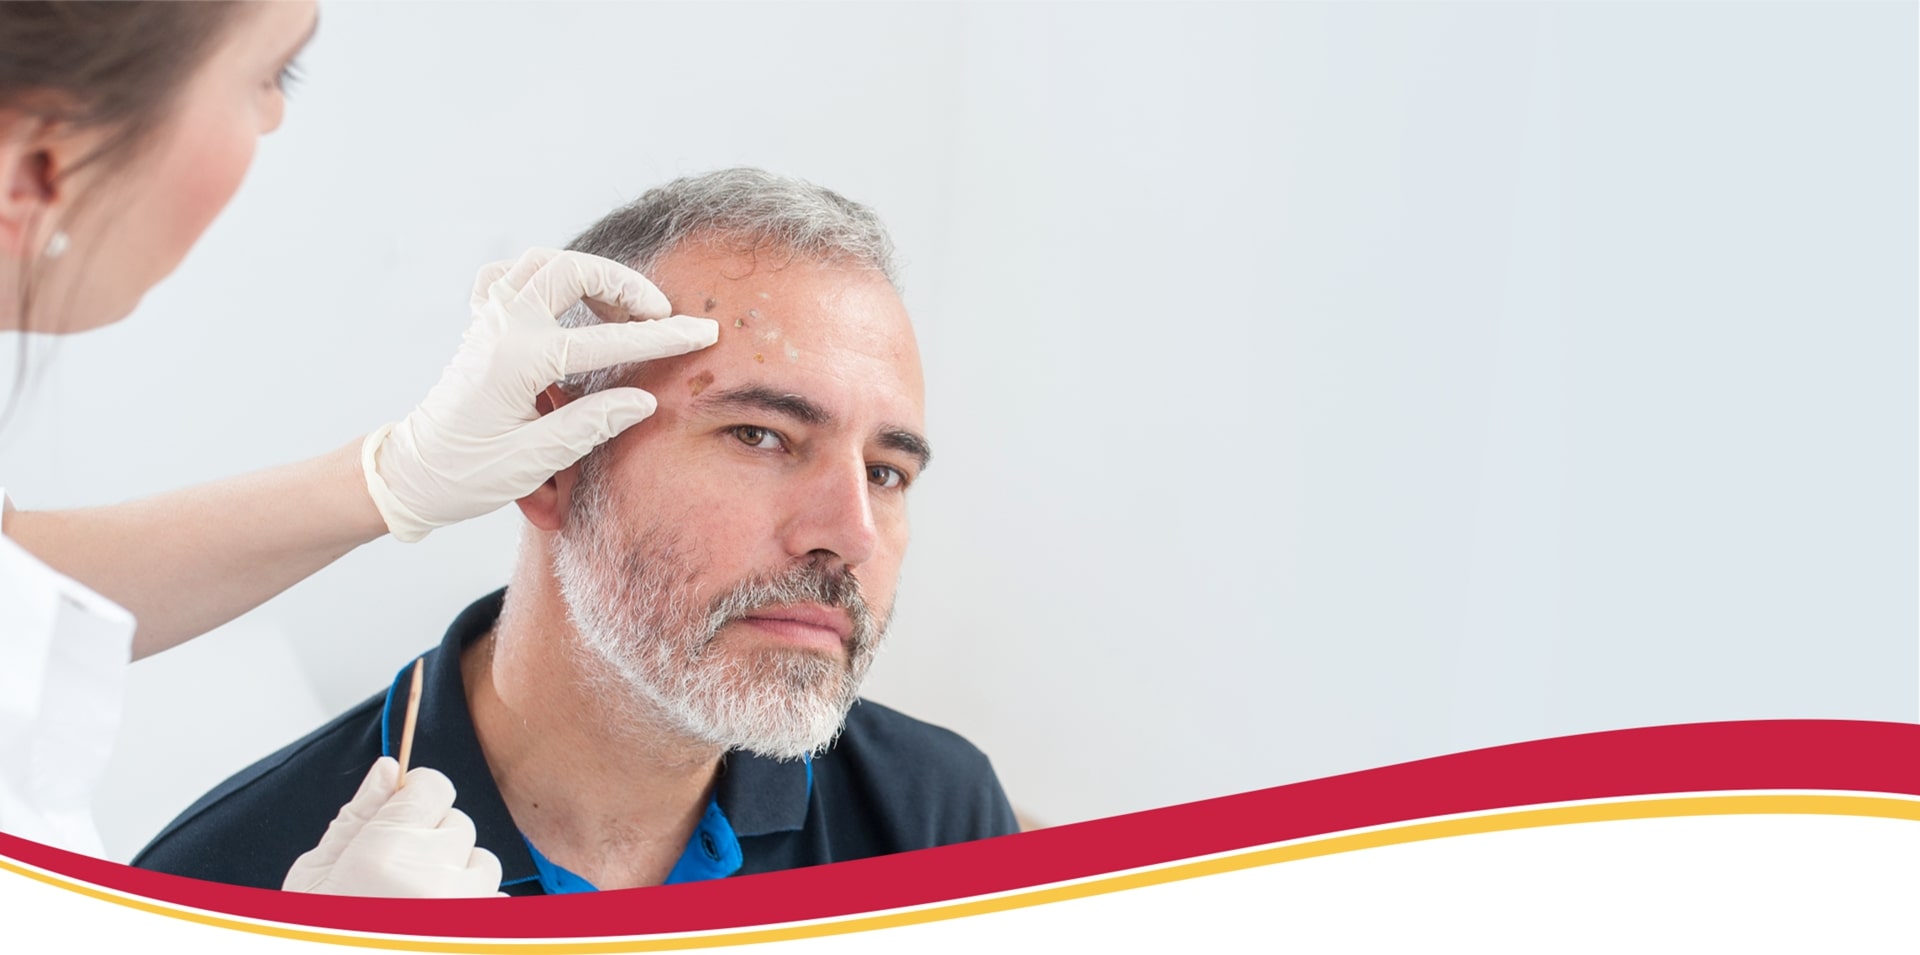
(906,442)
(766,399)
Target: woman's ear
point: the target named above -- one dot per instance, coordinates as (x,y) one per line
(546,508)
(29,179)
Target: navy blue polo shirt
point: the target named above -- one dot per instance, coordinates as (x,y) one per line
(890,783)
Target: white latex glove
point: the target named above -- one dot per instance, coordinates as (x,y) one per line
(477,441)
(409,843)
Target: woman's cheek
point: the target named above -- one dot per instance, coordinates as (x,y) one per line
(210,178)
(201,168)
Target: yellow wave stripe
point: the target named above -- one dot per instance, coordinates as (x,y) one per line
(1823,804)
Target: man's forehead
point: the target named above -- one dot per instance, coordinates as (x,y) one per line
(763,285)
(829,333)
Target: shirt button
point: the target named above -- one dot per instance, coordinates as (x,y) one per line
(707,846)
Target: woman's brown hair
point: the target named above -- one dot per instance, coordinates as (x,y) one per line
(111,65)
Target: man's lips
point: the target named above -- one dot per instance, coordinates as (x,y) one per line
(805,623)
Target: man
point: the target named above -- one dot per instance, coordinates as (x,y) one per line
(666,690)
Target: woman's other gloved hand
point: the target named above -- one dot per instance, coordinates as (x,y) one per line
(398,842)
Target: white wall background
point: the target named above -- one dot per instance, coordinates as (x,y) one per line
(1315,387)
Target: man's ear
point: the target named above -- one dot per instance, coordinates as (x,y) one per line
(546,508)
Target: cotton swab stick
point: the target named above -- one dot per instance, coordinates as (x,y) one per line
(406,729)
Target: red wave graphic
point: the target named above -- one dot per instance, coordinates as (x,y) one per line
(1833,755)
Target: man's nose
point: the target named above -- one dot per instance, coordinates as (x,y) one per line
(835,514)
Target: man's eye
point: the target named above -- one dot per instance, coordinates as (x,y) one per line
(756,437)
(885,476)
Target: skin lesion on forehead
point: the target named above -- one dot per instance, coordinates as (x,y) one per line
(698,383)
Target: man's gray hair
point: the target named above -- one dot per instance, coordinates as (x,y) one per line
(744,210)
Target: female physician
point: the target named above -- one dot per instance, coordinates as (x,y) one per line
(124,128)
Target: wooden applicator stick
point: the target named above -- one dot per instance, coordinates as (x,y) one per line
(413,716)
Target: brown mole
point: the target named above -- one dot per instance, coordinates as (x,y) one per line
(710,304)
(699,382)
(758,357)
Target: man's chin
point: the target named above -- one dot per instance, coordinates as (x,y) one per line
(786,738)
(800,678)
(778,701)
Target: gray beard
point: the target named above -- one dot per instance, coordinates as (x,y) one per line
(655,657)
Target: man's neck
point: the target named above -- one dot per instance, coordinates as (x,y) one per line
(614,804)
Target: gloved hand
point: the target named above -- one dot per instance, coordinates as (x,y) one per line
(409,843)
(477,441)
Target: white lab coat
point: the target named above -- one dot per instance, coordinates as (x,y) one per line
(64,652)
